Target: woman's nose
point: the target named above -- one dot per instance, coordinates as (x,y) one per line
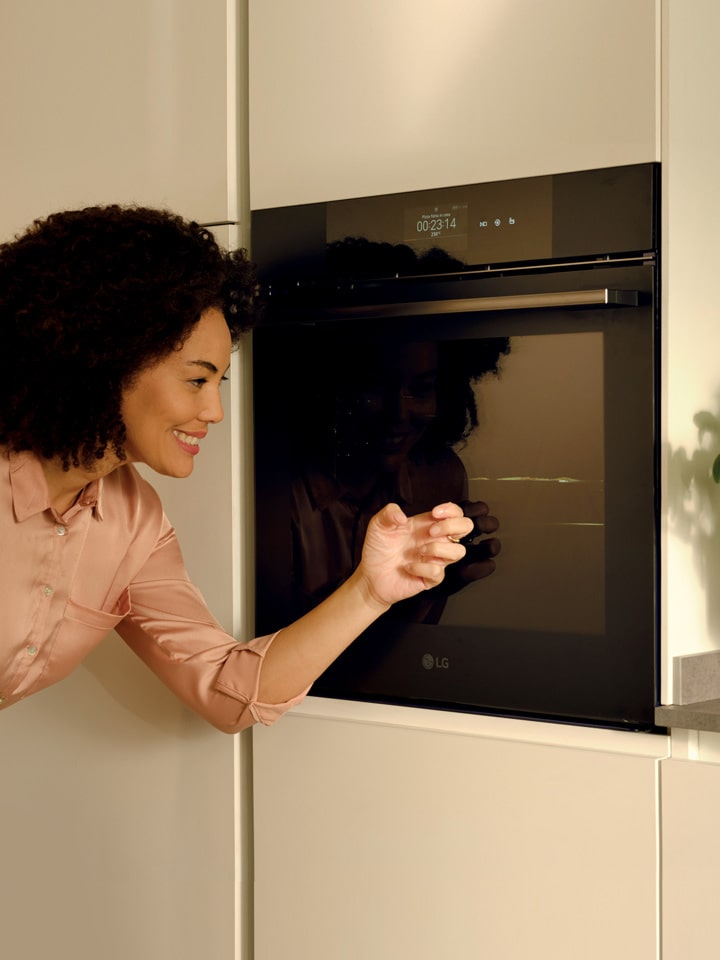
(213,412)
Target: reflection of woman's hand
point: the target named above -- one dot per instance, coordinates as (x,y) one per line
(479,561)
(402,556)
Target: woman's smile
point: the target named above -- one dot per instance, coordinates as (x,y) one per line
(169,406)
(190,441)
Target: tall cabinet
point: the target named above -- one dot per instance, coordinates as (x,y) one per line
(425,834)
(121,821)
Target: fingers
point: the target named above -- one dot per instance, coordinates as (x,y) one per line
(443,510)
(391,516)
(442,551)
(471,572)
(431,572)
(450,523)
(434,557)
(479,513)
(484,550)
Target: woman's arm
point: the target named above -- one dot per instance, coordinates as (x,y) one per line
(402,556)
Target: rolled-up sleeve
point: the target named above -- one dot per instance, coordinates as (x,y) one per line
(232,672)
(169,626)
(219,681)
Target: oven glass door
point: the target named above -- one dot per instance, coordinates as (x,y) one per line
(533,395)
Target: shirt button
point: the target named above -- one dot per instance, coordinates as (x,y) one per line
(47,591)
(31,651)
(60,530)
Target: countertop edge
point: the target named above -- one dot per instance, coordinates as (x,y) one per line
(703,715)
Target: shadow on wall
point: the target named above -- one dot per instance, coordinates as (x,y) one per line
(693,503)
(139,706)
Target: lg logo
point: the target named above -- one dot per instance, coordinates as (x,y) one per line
(438,663)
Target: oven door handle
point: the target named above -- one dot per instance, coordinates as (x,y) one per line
(602,297)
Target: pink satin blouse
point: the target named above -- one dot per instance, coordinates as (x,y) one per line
(112,562)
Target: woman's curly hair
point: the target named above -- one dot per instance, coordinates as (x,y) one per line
(88,299)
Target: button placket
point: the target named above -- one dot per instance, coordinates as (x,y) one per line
(61,530)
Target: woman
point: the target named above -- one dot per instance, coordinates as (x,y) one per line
(118,325)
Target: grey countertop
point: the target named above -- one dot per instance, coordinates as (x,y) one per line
(703,715)
(696,684)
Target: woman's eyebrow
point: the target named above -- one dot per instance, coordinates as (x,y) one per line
(203,363)
(206,364)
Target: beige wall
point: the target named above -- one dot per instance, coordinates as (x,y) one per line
(691,381)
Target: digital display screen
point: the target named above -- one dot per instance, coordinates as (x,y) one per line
(479,224)
(444,225)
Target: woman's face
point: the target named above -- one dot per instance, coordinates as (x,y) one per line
(389,405)
(169,407)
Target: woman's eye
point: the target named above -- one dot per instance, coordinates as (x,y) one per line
(201,381)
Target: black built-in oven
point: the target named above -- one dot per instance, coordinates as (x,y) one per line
(493,344)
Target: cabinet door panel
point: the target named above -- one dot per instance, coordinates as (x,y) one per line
(386,842)
(114,103)
(690,793)
(360,99)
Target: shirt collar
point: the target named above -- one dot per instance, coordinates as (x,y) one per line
(30,492)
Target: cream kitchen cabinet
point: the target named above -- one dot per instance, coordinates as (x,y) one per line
(116,102)
(690,858)
(380,97)
(122,819)
(389,832)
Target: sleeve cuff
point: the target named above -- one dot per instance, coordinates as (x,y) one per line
(240,679)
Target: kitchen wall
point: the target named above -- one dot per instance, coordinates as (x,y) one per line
(122,825)
(691,367)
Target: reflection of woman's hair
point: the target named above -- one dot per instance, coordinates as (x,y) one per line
(343,357)
(356,258)
(88,298)
(461,364)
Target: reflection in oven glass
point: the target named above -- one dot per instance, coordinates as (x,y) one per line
(511,429)
(537,455)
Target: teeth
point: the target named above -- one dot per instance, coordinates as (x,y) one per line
(194,441)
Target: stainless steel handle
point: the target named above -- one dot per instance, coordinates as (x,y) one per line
(516,301)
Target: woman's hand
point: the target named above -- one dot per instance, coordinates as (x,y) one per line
(402,556)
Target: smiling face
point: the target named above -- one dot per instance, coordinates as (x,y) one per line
(169,406)
(389,404)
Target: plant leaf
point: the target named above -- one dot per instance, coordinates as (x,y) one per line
(716,469)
